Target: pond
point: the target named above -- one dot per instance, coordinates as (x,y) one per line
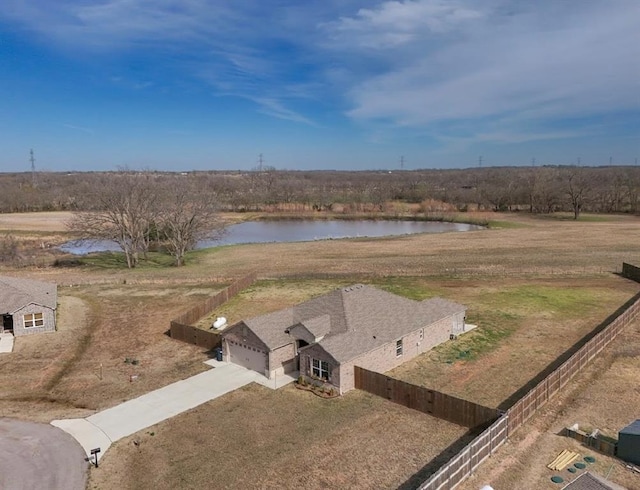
(295,231)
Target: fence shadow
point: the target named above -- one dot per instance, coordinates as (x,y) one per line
(551,367)
(446,455)
(423,474)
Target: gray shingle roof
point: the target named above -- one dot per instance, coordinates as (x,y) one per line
(632,428)
(354,320)
(590,481)
(16,293)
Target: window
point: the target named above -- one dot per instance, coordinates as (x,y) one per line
(421,335)
(33,320)
(398,348)
(320,369)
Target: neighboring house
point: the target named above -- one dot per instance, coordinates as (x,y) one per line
(325,337)
(591,481)
(27,306)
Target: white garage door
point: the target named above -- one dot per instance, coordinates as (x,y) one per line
(247,356)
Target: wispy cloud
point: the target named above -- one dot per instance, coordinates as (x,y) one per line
(79,128)
(275,108)
(500,69)
(438,62)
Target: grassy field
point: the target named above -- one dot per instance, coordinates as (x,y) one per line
(534,286)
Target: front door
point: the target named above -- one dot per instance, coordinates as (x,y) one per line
(7,323)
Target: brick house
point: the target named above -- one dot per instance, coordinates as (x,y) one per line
(27,306)
(325,337)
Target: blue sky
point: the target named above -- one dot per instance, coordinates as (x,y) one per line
(317,84)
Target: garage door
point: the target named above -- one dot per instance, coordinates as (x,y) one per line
(247,356)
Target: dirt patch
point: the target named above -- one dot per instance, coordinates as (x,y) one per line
(40,456)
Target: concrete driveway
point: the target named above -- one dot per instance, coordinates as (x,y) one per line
(108,426)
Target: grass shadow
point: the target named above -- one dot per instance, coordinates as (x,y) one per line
(551,367)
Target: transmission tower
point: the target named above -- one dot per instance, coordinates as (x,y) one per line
(32,159)
(260,162)
(402,162)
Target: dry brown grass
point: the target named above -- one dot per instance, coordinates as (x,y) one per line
(58,374)
(605,395)
(112,314)
(532,330)
(258,438)
(38,222)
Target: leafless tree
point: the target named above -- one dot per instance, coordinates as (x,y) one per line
(187,217)
(123,211)
(577,189)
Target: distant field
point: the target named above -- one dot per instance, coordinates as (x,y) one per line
(534,286)
(46,222)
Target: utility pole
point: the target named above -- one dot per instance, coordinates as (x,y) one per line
(32,159)
(402,162)
(260,162)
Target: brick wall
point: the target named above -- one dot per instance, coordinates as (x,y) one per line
(48,315)
(280,357)
(384,358)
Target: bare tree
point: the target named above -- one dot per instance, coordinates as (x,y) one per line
(124,209)
(187,218)
(577,189)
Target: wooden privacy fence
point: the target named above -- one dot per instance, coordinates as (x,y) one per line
(181,328)
(440,405)
(469,458)
(601,445)
(195,335)
(631,271)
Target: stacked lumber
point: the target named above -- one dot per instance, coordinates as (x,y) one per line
(564,459)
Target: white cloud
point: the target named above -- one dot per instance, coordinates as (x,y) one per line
(396,23)
(538,62)
(500,69)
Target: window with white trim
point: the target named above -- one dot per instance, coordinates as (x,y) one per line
(398,348)
(33,320)
(320,369)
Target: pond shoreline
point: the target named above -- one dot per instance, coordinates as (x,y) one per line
(296,230)
(329,216)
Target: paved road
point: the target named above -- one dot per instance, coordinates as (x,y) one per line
(39,456)
(108,426)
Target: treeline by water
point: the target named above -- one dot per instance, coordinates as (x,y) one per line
(542,189)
